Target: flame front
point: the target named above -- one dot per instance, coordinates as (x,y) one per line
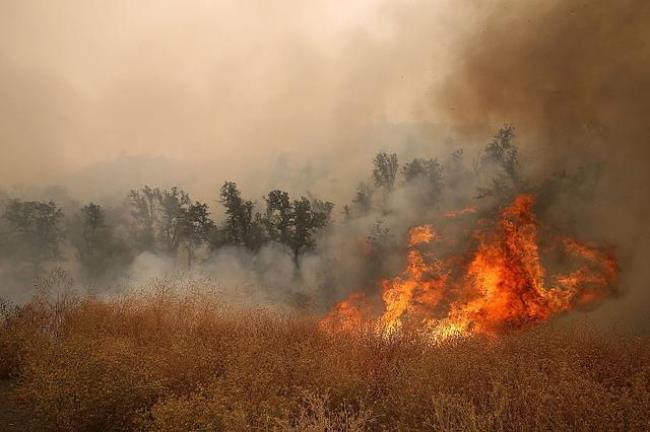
(500,286)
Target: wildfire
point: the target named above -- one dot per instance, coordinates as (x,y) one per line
(499,286)
(421,234)
(347,315)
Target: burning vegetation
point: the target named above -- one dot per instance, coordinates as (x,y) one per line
(494,259)
(499,284)
(428,302)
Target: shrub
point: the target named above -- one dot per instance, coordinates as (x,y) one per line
(166,361)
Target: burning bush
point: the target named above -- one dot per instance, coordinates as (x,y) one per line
(499,284)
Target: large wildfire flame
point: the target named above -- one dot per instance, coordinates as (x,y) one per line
(499,286)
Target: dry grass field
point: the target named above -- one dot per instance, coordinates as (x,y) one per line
(168,362)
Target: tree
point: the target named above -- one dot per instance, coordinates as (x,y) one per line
(385,170)
(500,159)
(455,172)
(36,230)
(173,204)
(384,174)
(279,216)
(94,235)
(195,227)
(295,223)
(309,218)
(97,247)
(502,152)
(363,199)
(381,242)
(347,213)
(143,211)
(426,176)
(458,179)
(242,226)
(322,210)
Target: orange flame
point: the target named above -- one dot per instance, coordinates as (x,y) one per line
(421,234)
(346,315)
(502,286)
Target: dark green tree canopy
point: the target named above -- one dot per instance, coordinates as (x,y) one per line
(309,218)
(239,226)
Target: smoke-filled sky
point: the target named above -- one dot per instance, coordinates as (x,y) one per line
(248,89)
(574,77)
(241,90)
(102,96)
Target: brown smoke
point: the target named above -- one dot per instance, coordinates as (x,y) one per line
(574,78)
(206,85)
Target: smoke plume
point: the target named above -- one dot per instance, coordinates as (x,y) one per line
(573,77)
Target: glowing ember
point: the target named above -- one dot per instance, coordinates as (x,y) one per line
(502,286)
(421,234)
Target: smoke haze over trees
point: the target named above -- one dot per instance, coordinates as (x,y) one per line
(383,108)
(300,252)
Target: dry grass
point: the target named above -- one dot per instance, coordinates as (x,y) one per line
(169,362)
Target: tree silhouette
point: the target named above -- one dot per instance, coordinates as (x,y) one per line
(242,226)
(195,227)
(173,204)
(385,170)
(143,210)
(426,176)
(309,218)
(500,159)
(97,246)
(279,216)
(362,201)
(36,230)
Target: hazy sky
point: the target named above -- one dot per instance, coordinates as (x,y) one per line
(100,95)
(227,89)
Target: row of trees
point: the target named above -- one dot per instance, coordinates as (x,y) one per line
(168,222)
(429,179)
(161,221)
